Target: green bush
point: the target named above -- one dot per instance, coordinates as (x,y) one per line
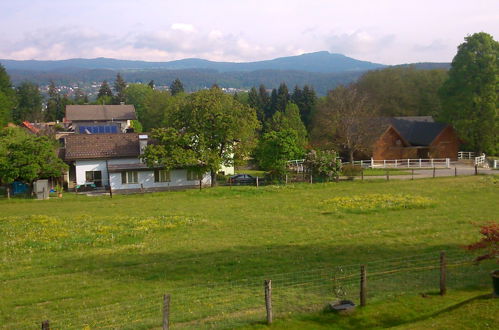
(351,170)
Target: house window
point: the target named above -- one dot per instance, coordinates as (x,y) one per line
(94,177)
(129,177)
(193,175)
(161,176)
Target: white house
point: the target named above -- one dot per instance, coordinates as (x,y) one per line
(100,118)
(113,160)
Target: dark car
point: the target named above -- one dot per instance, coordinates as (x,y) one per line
(241,179)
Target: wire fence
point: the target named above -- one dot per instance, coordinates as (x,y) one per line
(228,304)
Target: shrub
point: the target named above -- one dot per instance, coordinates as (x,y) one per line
(488,243)
(351,170)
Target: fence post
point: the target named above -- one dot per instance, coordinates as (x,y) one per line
(419,162)
(443,274)
(363,286)
(311,178)
(431,162)
(8,192)
(476,169)
(433,171)
(46,325)
(166,312)
(447,162)
(268,300)
(142,188)
(455,171)
(408,162)
(257,182)
(412,174)
(362,174)
(384,163)
(286,179)
(387,176)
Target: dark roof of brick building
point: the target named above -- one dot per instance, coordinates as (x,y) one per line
(416,131)
(91,146)
(100,112)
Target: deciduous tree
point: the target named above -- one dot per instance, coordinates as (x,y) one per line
(469,95)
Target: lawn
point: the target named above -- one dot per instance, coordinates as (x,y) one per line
(106,262)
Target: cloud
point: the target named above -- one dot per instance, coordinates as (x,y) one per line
(179,40)
(358,43)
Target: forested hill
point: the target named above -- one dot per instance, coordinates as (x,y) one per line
(322,70)
(321,62)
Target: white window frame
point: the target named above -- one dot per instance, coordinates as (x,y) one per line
(162,176)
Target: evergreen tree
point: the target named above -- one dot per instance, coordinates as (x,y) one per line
(52,103)
(289,119)
(151,84)
(119,87)
(80,97)
(104,90)
(254,102)
(29,105)
(264,101)
(272,104)
(176,87)
(308,104)
(282,97)
(469,96)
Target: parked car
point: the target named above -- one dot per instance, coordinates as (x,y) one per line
(241,179)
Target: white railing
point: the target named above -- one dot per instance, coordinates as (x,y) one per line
(296,165)
(465,155)
(480,161)
(405,163)
(496,164)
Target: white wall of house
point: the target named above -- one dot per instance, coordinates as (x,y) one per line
(83,166)
(178,178)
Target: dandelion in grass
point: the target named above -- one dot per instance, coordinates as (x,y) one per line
(376,202)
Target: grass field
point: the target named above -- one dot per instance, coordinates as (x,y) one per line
(74,259)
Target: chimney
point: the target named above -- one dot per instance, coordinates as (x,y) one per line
(142,142)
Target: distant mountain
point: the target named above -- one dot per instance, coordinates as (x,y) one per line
(320,62)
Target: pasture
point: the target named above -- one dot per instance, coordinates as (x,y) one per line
(73,260)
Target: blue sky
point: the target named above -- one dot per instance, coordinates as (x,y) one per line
(384,31)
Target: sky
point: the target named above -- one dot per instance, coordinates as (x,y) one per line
(382,31)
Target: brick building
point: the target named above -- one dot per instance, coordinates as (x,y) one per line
(415,137)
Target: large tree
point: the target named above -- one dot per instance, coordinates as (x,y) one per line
(105,95)
(29,105)
(7,97)
(176,87)
(275,149)
(119,87)
(205,131)
(469,95)
(289,119)
(345,119)
(404,91)
(56,104)
(26,157)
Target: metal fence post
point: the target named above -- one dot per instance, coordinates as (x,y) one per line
(268,300)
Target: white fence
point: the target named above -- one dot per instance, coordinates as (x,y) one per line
(480,161)
(405,163)
(297,164)
(465,155)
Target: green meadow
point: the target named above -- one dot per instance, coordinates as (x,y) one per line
(101,262)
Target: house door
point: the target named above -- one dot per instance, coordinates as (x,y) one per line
(423,153)
(94,177)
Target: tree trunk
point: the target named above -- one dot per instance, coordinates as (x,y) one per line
(213,178)
(350,156)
